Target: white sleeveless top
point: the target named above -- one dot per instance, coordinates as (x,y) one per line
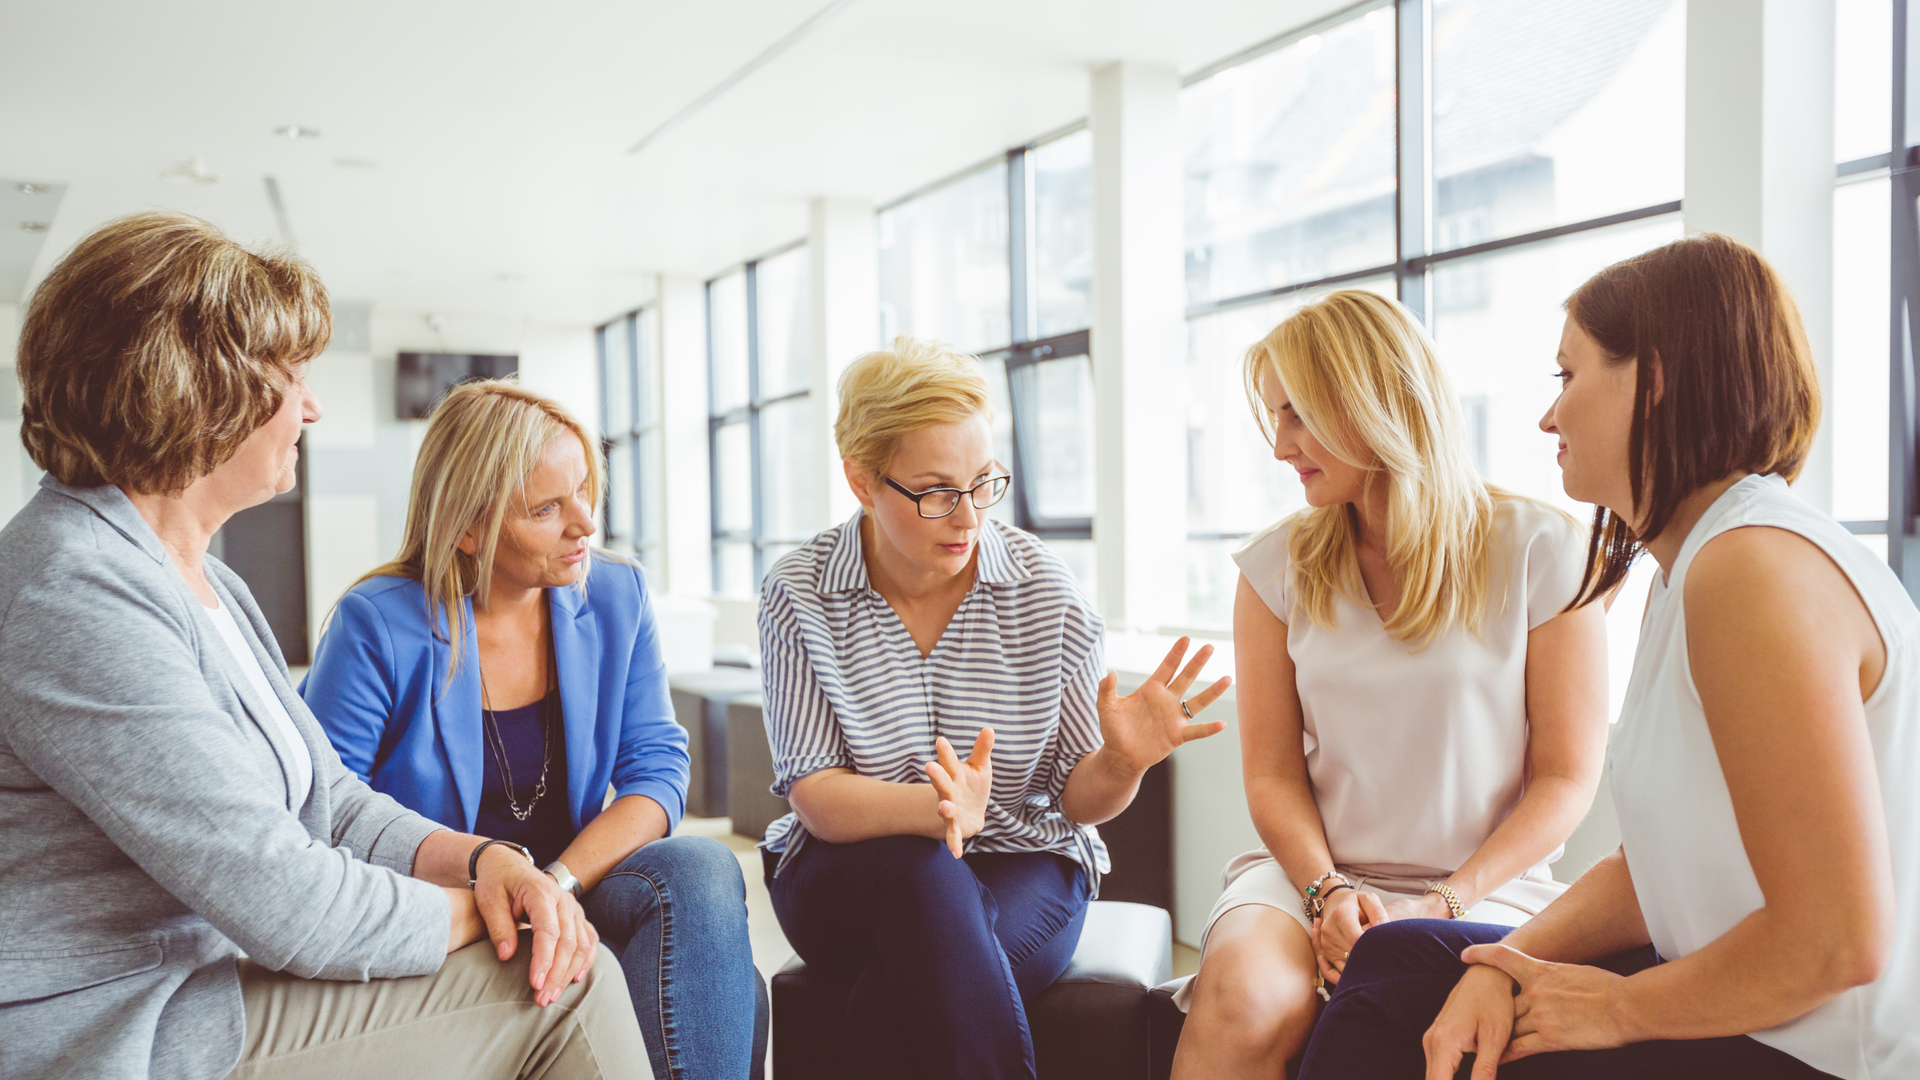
(1417,755)
(1676,818)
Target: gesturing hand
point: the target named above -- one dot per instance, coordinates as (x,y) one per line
(1148,724)
(1559,1006)
(510,889)
(964,787)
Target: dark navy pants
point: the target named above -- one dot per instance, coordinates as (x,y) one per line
(941,953)
(1400,974)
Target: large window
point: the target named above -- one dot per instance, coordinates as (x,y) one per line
(1863,229)
(630,437)
(758,341)
(1540,140)
(998,261)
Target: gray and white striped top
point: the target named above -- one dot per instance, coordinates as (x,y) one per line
(846,686)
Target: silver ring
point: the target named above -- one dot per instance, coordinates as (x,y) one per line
(1184,709)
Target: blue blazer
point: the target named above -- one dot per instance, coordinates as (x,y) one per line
(379,688)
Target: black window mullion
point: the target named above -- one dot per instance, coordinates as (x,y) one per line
(713,452)
(753,411)
(1413,77)
(1903,302)
(632,433)
(1019,246)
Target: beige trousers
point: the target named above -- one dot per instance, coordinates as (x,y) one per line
(474,1018)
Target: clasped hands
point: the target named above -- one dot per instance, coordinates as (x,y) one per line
(1137,731)
(1348,914)
(510,890)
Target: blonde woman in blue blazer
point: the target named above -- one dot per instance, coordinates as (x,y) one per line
(501,675)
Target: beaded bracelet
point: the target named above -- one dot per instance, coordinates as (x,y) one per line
(1311,903)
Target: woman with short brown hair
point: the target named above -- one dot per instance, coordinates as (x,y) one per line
(1760,918)
(192,885)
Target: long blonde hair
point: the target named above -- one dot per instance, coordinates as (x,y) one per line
(1362,375)
(483,442)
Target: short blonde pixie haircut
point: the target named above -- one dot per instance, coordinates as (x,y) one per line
(915,384)
(156,347)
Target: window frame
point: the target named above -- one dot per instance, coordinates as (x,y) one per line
(1416,257)
(1024,350)
(749,413)
(1903,295)
(643,426)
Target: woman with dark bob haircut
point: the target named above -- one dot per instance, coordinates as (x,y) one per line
(191,884)
(1762,915)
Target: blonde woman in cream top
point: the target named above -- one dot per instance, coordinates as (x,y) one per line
(1762,916)
(1422,722)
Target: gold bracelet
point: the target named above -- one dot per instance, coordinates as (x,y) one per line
(1453,902)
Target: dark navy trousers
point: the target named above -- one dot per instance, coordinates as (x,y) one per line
(1400,974)
(941,953)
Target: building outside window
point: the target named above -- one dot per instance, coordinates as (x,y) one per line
(759,355)
(630,437)
(998,261)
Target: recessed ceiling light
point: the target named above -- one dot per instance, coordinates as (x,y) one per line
(190,171)
(297,131)
(32,189)
(33,226)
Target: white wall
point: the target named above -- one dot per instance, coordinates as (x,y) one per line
(17,473)
(360,459)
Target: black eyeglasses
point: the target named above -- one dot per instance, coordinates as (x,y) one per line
(940,501)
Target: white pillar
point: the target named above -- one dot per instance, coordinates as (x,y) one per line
(1760,158)
(845,302)
(1139,345)
(682,348)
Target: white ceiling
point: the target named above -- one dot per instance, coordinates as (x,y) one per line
(473,154)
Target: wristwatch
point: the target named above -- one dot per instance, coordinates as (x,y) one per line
(558,871)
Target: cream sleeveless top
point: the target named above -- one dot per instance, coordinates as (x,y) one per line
(1417,755)
(1682,842)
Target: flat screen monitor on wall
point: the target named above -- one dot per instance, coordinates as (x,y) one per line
(425,378)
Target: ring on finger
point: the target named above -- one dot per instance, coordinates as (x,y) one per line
(1186,711)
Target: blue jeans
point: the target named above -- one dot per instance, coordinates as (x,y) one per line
(675,913)
(1400,974)
(941,954)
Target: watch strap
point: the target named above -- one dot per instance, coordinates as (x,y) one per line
(473,860)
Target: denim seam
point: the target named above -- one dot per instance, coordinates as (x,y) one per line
(666,966)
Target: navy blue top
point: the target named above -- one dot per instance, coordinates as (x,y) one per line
(549,829)
(406,719)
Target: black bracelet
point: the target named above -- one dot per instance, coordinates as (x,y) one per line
(473,860)
(1331,889)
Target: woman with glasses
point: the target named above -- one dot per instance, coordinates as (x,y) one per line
(945,891)
(1422,705)
(502,674)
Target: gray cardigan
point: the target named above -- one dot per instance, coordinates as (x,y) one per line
(147,832)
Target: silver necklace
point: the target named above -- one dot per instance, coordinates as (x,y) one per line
(491,727)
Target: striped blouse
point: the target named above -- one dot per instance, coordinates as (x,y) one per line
(846,686)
